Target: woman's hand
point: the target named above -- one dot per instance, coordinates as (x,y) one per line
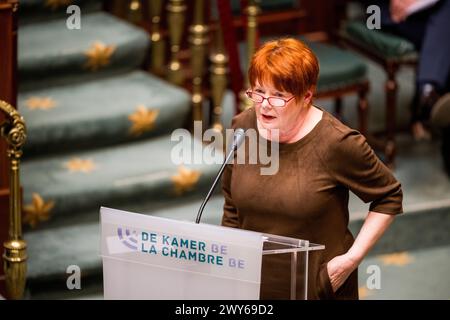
(339,269)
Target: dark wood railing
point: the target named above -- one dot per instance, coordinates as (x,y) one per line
(8,93)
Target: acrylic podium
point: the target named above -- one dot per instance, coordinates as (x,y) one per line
(147,257)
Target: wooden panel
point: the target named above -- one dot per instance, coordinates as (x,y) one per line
(8,93)
(8,51)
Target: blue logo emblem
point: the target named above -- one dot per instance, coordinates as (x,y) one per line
(129,239)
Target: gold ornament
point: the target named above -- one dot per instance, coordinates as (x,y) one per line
(98,56)
(142,120)
(396,259)
(37,211)
(185,180)
(40,103)
(80,165)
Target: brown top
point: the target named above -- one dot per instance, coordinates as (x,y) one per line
(308,198)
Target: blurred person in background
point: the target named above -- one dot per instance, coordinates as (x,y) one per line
(426,23)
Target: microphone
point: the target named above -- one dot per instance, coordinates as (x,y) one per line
(238,138)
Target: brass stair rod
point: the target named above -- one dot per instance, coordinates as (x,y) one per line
(198,40)
(134,11)
(15,255)
(176,11)
(157,43)
(219,71)
(252,12)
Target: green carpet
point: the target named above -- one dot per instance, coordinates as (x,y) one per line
(412,275)
(48,49)
(99,134)
(97,112)
(32,11)
(52,250)
(109,176)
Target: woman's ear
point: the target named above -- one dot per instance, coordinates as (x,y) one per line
(308,96)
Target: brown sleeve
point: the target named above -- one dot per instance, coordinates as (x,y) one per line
(355,165)
(230,216)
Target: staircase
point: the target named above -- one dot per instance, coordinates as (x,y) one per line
(99,134)
(99,130)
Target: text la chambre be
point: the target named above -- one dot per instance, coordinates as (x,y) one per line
(188,249)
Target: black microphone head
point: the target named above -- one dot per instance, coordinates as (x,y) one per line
(238,138)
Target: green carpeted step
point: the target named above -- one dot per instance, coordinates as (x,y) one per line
(125,107)
(31,11)
(51,251)
(103,44)
(406,275)
(139,172)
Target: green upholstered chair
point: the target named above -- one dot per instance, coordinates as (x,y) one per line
(390,52)
(277,16)
(342,73)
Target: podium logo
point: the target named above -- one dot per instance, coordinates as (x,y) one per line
(129,239)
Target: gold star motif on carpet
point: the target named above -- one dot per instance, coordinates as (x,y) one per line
(142,120)
(396,259)
(185,180)
(80,165)
(98,56)
(363,292)
(55,4)
(37,211)
(40,103)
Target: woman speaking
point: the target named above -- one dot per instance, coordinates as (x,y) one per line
(320,161)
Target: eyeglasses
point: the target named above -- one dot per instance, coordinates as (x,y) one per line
(273,101)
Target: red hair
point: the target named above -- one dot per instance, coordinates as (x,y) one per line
(288,64)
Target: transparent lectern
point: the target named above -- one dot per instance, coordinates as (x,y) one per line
(146,257)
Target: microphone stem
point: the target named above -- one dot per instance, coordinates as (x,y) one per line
(219,174)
